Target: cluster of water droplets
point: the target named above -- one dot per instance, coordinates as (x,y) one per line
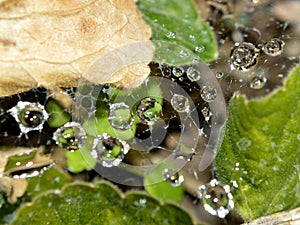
(216,198)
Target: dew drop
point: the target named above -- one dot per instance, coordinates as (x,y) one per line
(274,47)
(177,71)
(208,94)
(193,74)
(192,37)
(171,35)
(184,54)
(70,136)
(206,113)
(219,75)
(149,110)
(109,151)
(180,103)
(216,198)
(199,48)
(244,57)
(172,177)
(29,115)
(258,82)
(120,116)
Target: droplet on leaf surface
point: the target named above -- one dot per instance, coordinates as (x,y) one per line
(244,57)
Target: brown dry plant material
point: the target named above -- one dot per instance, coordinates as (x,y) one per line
(52,43)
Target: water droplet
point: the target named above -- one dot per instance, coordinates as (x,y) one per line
(193,74)
(244,57)
(216,198)
(208,94)
(149,110)
(120,116)
(177,71)
(192,37)
(258,82)
(172,177)
(184,54)
(199,48)
(29,115)
(274,47)
(109,151)
(70,136)
(219,75)
(171,35)
(206,113)
(180,103)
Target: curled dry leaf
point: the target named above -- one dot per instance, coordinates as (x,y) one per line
(52,43)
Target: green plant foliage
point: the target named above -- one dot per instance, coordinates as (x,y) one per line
(84,203)
(58,116)
(51,179)
(155,184)
(261,151)
(178,32)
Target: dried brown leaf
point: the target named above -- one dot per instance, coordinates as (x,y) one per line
(52,43)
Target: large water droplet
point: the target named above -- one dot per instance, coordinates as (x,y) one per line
(177,71)
(180,103)
(149,110)
(172,177)
(193,74)
(244,57)
(109,151)
(70,136)
(208,94)
(274,47)
(216,198)
(120,116)
(29,115)
(258,82)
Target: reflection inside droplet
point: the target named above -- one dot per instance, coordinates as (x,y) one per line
(208,94)
(258,82)
(193,74)
(120,116)
(180,103)
(274,47)
(149,110)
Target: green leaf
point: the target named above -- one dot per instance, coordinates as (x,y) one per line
(261,151)
(154,183)
(178,32)
(102,203)
(58,115)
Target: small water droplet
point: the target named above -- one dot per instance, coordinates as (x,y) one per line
(193,74)
(172,177)
(216,198)
(192,37)
(199,48)
(180,103)
(120,116)
(70,136)
(184,54)
(109,151)
(258,82)
(274,47)
(219,75)
(177,71)
(171,35)
(243,143)
(29,115)
(206,113)
(149,110)
(208,94)
(244,57)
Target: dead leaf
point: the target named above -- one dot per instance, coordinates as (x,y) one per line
(52,43)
